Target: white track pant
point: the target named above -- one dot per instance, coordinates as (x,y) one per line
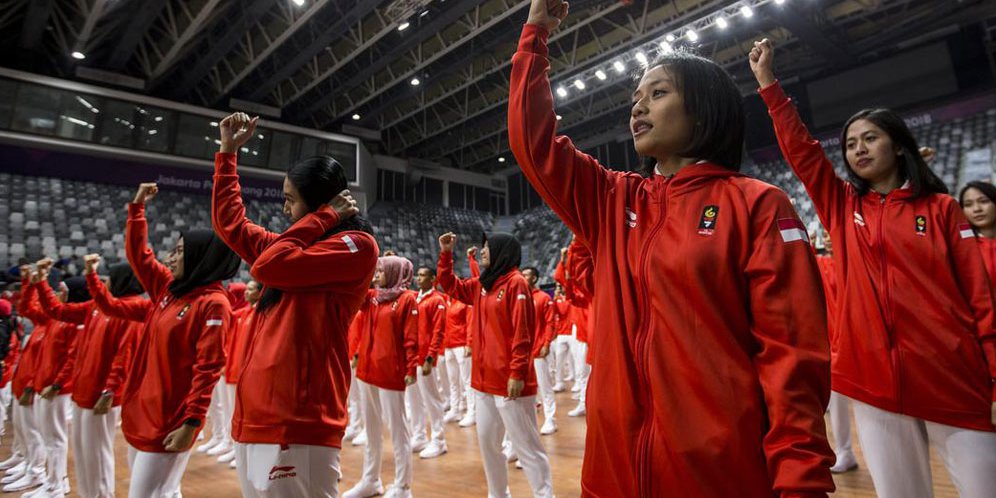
(897,451)
(544,381)
(26,428)
(156,475)
(561,350)
(380,406)
(353,404)
(442,379)
(292,471)
(497,416)
(52,423)
(93,449)
(5,400)
(458,370)
(581,368)
(216,412)
(840,423)
(426,403)
(228,407)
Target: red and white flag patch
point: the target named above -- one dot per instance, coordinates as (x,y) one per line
(792,230)
(350,244)
(214,321)
(966,231)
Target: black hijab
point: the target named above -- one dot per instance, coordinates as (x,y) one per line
(78,292)
(206,259)
(505,255)
(123,281)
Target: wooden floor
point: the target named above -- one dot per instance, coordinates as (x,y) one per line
(460,473)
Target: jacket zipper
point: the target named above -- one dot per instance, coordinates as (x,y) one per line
(643,439)
(887,308)
(245,367)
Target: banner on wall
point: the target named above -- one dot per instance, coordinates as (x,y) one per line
(30,161)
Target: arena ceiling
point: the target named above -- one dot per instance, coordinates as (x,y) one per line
(437,89)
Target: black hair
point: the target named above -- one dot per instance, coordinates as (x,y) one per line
(430,268)
(714,105)
(532,269)
(987,189)
(318,179)
(911,165)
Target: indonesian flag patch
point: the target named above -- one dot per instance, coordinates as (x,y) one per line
(350,244)
(792,230)
(966,231)
(214,321)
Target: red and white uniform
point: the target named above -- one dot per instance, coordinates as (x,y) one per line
(295,381)
(501,346)
(458,363)
(424,397)
(28,431)
(913,328)
(738,297)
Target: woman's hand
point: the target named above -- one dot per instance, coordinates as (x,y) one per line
(91,262)
(762,62)
(344,205)
(515,388)
(146,192)
(180,439)
(547,13)
(235,131)
(447,242)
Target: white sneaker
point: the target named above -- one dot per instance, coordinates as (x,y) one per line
(351,432)
(467,421)
(11,462)
(451,416)
(27,481)
(227,457)
(14,476)
(434,450)
(365,490)
(360,439)
(845,463)
(549,427)
(208,445)
(233,465)
(49,491)
(510,455)
(577,412)
(220,449)
(419,444)
(559,387)
(396,492)
(518,465)
(17,470)
(576,388)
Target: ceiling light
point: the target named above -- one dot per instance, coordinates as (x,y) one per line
(403,26)
(692,35)
(619,66)
(298,2)
(214,123)
(153,132)
(415,82)
(356,117)
(559,117)
(721,22)
(78,55)
(641,58)
(666,47)
(501,159)
(579,84)
(670,38)
(561,92)
(600,75)
(158,118)
(746,11)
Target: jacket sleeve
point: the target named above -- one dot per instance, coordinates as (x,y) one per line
(409,317)
(152,274)
(572,183)
(69,359)
(228,213)
(57,310)
(793,353)
(437,328)
(550,329)
(296,262)
(973,280)
(131,309)
(465,291)
(210,359)
(582,266)
(28,305)
(475,268)
(806,158)
(522,331)
(119,367)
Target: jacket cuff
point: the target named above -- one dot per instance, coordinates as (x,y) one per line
(136,211)
(533,40)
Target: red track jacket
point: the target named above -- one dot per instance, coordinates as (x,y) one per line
(458,316)
(543,323)
(431,326)
(135,309)
(235,356)
(502,341)
(27,362)
(915,308)
(712,357)
(179,356)
(295,381)
(388,349)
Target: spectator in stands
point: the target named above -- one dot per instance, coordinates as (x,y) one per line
(387,364)
(978,201)
(425,397)
(315,276)
(180,355)
(503,377)
(698,269)
(914,338)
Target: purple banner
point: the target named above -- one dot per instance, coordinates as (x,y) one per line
(29,161)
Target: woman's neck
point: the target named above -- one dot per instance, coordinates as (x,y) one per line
(669,166)
(889,183)
(988,232)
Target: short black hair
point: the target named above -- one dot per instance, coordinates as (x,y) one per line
(532,269)
(911,165)
(714,105)
(430,268)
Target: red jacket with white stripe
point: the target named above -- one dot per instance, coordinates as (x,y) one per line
(27,362)
(712,355)
(543,325)
(103,341)
(458,316)
(295,380)
(431,325)
(578,300)
(987,247)
(502,341)
(135,310)
(59,346)
(915,308)
(562,315)
(388,349)
(179,356)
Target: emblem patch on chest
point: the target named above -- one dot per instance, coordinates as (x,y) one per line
(630,218)
(921,225)
(707,223)
(183,312)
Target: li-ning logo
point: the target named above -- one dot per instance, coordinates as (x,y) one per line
(282,472)
(630,218)
(501,294)
(707,224)
(183,312)
(921,225)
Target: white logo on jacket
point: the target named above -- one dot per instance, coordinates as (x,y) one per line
(858,219)
(630,218)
